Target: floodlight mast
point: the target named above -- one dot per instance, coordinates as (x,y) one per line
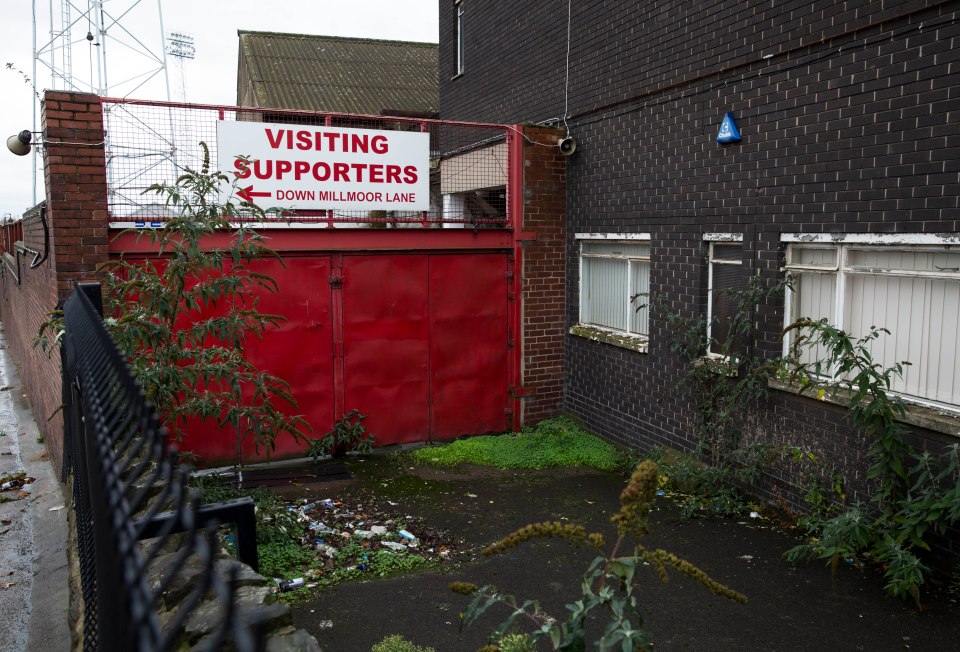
(129,24)
(181,47)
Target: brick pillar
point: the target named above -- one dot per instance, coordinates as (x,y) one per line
(544,274)
(75,173)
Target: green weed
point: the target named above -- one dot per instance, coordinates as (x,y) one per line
(397,643)
(552,443)
(285,559)
(348,434)
(917,493)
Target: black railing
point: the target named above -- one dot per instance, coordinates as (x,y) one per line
(133,506)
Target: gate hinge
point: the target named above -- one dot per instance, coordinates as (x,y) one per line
(336,281)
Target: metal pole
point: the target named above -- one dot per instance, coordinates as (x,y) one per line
(33,81)
(102,52)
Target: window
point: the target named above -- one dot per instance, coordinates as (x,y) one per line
(615,283)
(458,33)
(911,290)
(727,275)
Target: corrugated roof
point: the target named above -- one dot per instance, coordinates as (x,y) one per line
(350,75)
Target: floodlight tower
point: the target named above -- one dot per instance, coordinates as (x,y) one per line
(127,26)
(131,30)
(181,47)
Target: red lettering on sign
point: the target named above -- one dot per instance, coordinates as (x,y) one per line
(263,169)
(321,171)
(243,169)
(275,140)
(393,174)
(304,140)
(341,172)
(410,174)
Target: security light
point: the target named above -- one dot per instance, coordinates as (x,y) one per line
(19,144)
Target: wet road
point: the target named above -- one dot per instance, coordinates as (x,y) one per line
(33,577)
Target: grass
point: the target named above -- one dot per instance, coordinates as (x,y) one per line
(552,443)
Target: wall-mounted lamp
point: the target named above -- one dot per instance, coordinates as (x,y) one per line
(19,144)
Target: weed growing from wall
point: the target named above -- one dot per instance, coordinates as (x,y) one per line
(918,493)
(726,387)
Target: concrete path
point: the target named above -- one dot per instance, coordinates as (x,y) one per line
(789,609)
(34,593)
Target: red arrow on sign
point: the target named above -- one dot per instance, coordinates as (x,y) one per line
(247,194)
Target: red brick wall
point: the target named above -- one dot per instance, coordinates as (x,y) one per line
(76,180)
(544,214)
(76,217)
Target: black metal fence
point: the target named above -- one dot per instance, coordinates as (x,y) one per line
(133,506)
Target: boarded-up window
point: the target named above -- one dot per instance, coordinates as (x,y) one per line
(727,282)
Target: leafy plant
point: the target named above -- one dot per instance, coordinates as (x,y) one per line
(553,442)
(608,590)
(824,488)
(917,493)
(184,318)
(278,529)
(348,434)
(516,643)
(726,386)
(50,332)
(284,559)
(397,643)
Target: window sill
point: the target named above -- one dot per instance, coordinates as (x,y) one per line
(623,340)
(921,416)
(721,365)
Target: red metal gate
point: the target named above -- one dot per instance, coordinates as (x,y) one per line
(415,341)
(425,344)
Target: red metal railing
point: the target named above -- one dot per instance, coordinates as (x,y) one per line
(153,142)
(10,232)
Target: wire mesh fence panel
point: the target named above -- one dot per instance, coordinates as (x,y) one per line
(324,169)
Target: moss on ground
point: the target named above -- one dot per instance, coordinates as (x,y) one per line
(552,443)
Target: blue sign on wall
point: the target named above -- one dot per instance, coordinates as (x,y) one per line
(728,130)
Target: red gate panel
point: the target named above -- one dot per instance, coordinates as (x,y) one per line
(299,351)
(385,344)
(468,344)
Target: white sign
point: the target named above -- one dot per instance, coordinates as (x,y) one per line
(305,167)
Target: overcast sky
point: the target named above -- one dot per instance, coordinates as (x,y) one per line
(211,77)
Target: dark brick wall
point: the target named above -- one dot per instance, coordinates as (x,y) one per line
(76,215)
(850,126)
